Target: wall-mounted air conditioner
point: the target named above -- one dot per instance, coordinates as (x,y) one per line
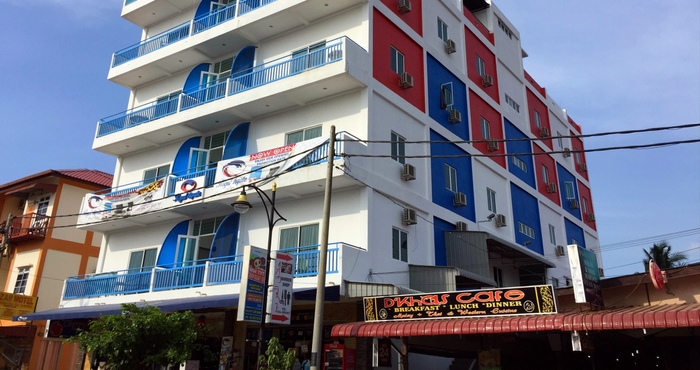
(460,199)
(406,81)
(551,187)
(461,226)
(544,132)
(404,6)
(559,250)
(500,220)
(409,217)
(450,47)
(492,145)
(583,167)
(573,204)
(455,116)
(408,173)
(590,217)
(567,152)
(487,80)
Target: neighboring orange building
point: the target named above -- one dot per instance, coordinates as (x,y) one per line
(43,248)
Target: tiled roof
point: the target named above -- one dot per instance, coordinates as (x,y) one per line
(92,176)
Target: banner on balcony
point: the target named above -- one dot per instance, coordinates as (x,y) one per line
(122,203)
(233,173)
(527,300)
(16,305)
(250,303)
(189,190)
(281,311)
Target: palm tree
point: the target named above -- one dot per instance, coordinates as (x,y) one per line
(661,254)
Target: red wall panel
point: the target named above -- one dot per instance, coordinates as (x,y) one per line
(385,35)
(585,192)
(414,18)
(579,158)
(546,160)
(535,104)
(479,108)
(476,47)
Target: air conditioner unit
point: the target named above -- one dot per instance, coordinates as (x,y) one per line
(487,80)
(559,250)
(406,81)
(583,167)
(551,187)
(500,220)
(567,152)
(455,116)
(408,173)
(404,6)
(409,216)
(450,47)
(461,226)
(573,204)
(460,199)
(601,273)
(591,217)
(544,132)
(492,145)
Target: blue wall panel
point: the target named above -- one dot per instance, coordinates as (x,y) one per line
(465,179)
(224,243)
(564,177)
(237,141)
(519,146)
(574,232)
(194,79)
(438,75)
(166,255)
(182,158)
(439,227)
(526,210)
(245,59)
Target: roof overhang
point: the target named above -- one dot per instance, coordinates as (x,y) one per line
(360,289)
(644,317)
(26,190)
(519,254)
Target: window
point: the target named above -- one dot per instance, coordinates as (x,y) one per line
(577,157)
(399,245)
(215,144)
(498,276)
(584,205)
(505,29)
(480,66)
(299,237)
(301,135)
(142,260)
(512,103)
(167,97)
(205,230)
(555,282)
(545,174)
(398,148)
(310,56)
(491,200)
(560,141)
(538,119)
(43,206)
(527,230)
(442,30)
(446,97)
(519,163)
(22,279)
(485,129)
(223,68)
(397,61)
(569,190)
(450,178)
(154,174)
(552,235)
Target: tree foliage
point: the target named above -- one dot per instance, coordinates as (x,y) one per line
(664,258)
(275,358)
(139,338)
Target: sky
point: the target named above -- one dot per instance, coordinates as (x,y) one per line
(613,65)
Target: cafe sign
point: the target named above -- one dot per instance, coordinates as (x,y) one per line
(529,300)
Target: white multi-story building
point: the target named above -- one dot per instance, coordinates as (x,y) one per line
(454,169)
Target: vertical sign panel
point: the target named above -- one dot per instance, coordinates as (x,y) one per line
(252,284)
(281,312)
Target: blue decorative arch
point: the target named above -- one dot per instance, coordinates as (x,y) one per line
(226,237)
(245,59)
(237,141)
(203,9)
(182,158)
(194,78)
(166,256)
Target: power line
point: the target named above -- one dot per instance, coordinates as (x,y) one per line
(634,263)
(643,241)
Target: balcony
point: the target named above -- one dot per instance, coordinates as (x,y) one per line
(31,226)
(193,274)
(279,84)
(209,36)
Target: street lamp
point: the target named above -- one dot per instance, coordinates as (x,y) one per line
(241,205)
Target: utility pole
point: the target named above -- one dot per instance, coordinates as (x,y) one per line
(317,340)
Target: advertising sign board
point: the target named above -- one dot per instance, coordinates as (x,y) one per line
(584,275)
(253,284)
(16,305)
(281,311)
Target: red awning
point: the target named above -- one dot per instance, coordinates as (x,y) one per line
(644,317)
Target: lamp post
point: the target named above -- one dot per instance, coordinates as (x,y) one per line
(241,205)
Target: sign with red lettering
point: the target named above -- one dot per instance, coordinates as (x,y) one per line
(16,305)
(529,300)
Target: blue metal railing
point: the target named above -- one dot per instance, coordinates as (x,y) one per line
(245,80)
(184,30)
(137,116)
(223,270)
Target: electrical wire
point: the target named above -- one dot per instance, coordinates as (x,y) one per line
(646,240)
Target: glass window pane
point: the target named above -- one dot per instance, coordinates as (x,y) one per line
(149,175)
(393,60)
(149,258)
(289,238)
(312,133)
(404,246)
(395,253)
(309,235)
(135,260)
(295,137)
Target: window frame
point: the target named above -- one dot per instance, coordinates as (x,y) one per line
(584,205)
(143,266)
(491,200)
(42,206)
(22,279)
(442,30)
(399,244)
(451,182)
(560,140)
(545,174)
(569,190)
(519,163)
(299,237)
(552,234)
(397,61)
(526,230)
(485,129)
(305,134)
(538,118)
(480,66)
(157,172)
(398,147)
(512,103)
(446,91)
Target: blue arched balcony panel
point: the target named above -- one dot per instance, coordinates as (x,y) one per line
(167,253)
(194,79)
(237,141)
(526,219)
(226,237)
(522,166)
(182,158)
